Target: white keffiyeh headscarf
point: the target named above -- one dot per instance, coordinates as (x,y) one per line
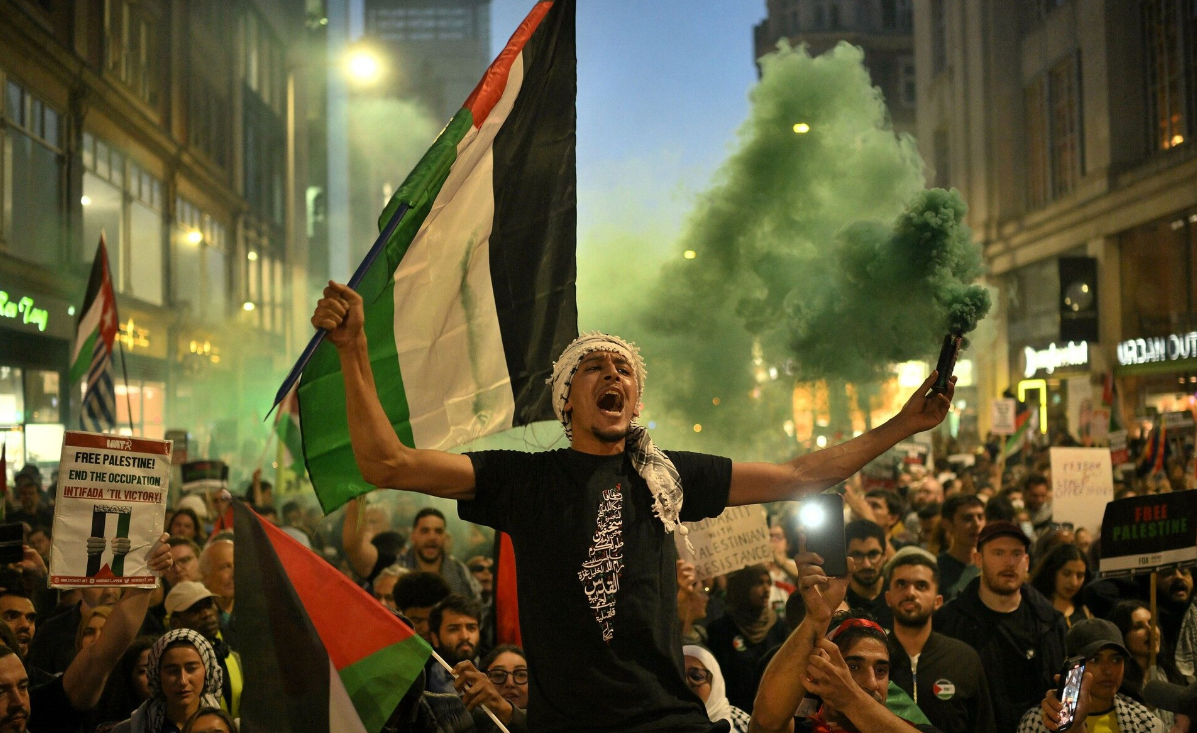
(649,461)
(150,716)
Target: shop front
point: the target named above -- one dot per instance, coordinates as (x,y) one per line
(1157,357)
(1055,378)
(142,386)
(35,337)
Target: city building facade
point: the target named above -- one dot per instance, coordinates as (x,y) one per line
(177,130)
(1068,125)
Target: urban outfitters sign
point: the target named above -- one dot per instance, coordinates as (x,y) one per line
(23,309)
(1158,348)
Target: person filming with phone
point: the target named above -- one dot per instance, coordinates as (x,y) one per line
(847,669)
(1099,706)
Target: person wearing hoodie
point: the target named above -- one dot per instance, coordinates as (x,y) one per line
(1015,630)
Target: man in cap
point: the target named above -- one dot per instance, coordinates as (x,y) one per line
(590,524)
(1100,707)
(1017,633)
(190,605)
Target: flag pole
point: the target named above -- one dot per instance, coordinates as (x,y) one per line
(120,342)
(358,275)
(485,709)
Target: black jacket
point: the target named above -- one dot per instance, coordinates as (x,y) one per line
(952,689)
(967,619)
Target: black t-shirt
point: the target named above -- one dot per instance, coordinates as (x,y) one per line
(950,570)
(1023,676)
(597,584)
(876,607)
(50,708)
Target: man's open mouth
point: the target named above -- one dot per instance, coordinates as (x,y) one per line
(611,402)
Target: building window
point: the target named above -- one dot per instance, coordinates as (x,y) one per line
(939,37)
(263,278)
(123,201)
(132,43)
(200,265)
(31,213)
(1171,53)
(265,68)
(1053,108)
(833,15)
(943,159)
(820,16)
(906,82)
(146,402)
(209,125)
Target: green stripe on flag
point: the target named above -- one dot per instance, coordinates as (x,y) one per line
(326,446)
(378,682)
(86,354)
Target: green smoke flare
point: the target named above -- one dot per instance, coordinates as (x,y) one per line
(818,244)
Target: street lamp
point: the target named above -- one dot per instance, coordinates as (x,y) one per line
(363,66)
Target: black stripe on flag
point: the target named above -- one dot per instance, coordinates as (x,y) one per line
(286,667)
(534,239)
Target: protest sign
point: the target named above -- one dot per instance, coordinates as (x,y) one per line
(205,476)
(1001,416)
(914,454)
(110,510)
(1146,533)
(1082,483)
(735,539)
(1119,452)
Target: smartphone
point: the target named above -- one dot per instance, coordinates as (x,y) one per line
(947,361)
(1069,691)
(821,517)
(12,543)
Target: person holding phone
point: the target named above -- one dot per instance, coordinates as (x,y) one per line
(1100,707)
(591,524)
(847,669)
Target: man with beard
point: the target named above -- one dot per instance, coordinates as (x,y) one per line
(592,524)
(428,554)
(866,547)
(192,606)
(1174,590)
(742,637)
(848,669)
(963,517)
(1017,633)
(1037,499)
(943,676)
(454,625)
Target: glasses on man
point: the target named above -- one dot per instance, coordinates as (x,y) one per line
(479,568)
(499,676)
(871,556)
(698,677)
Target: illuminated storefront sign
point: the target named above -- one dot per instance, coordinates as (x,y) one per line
(1054,357)
(1158,348)
(23,309)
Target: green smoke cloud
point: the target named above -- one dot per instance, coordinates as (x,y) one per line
(818,254)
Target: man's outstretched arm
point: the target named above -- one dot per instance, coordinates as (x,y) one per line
(757,483)
(383,460)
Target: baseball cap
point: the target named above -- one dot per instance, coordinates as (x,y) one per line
(1170,697)
(1002,529)
(907,551)
(1089,636)
(195,504)
(185,595)
(29,473)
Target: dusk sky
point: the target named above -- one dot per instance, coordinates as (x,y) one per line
(662,88)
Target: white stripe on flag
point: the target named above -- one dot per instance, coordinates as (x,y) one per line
(90,322)
(446,324)
(342,715)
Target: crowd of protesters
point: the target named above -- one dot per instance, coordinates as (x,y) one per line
(963,600)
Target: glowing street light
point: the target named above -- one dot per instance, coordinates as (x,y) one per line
(252,256)
(801,128)
(247,306)
(363,66)
(195,236)
(689,254)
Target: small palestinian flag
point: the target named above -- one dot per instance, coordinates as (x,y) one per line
(1025,421)
(95,335)
(319,654)
(290,442)
(472,297)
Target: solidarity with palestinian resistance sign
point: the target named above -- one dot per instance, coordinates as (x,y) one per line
(1145,533)
(110,511)
(735,539)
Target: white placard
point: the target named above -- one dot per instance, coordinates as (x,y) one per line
(110,510)
(1082,484)
(1001,416)
(735,539)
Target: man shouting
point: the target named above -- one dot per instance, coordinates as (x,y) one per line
(591,523)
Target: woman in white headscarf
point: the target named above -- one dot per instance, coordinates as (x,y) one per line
(706,679)
(183,676)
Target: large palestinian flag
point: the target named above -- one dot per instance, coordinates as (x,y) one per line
(91,360)
(320,655)
(473,295)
